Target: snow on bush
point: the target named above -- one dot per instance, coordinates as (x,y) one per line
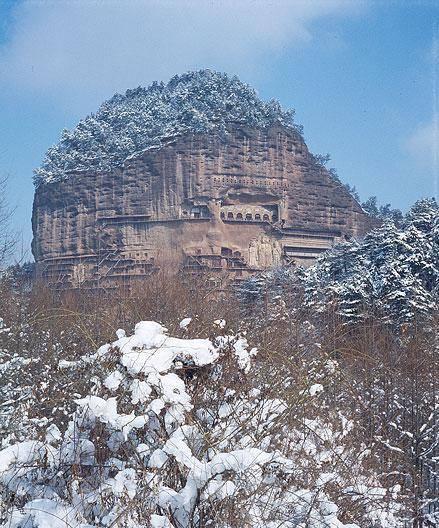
(183,433)
(142,118)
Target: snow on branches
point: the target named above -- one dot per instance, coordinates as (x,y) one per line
(392,273)
(182,433)
(199,102)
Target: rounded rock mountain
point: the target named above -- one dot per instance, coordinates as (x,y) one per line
(198,174)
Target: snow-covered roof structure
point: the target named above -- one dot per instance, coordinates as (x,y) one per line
(199,102)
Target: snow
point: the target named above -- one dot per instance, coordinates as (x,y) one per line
(184,323)
(140,391)
(239,345)
(124,482)
(53,434)
(243,355)
(47,513)
(315,389)
(106,412)
(64,364)
(157,459)
(159,521)
(155,446)
(150,350)
(113,380)
(23,453)
(146,118)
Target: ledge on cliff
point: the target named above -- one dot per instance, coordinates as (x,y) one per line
(198,102)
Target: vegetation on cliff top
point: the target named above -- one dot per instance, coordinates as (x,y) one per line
(201,101)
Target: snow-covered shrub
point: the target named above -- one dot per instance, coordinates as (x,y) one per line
(198,102)
(181,433)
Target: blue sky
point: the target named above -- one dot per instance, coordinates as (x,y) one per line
(360,75)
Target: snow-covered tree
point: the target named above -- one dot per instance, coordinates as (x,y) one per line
(199,102)
(393,273)
(383,212)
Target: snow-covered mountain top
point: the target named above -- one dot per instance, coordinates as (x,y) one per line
(200,101)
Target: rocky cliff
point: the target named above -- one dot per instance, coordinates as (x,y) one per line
(242,201)
(197,174)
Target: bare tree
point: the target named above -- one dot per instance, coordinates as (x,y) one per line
(7,238)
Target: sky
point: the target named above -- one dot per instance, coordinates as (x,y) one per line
(362,76)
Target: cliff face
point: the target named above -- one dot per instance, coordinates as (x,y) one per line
(250,199)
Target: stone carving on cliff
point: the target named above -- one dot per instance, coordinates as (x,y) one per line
(264,252)
(250,200)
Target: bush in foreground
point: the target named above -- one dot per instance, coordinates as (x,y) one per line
(177,432)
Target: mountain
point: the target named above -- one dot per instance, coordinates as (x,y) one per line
(198,174)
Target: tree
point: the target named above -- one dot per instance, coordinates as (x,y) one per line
(383,212)
(7,240)
(192,433)
(198,102)
(393,273)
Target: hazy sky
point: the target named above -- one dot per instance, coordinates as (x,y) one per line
(360,75)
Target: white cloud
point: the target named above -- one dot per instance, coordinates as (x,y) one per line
(94,48)
(423,144)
